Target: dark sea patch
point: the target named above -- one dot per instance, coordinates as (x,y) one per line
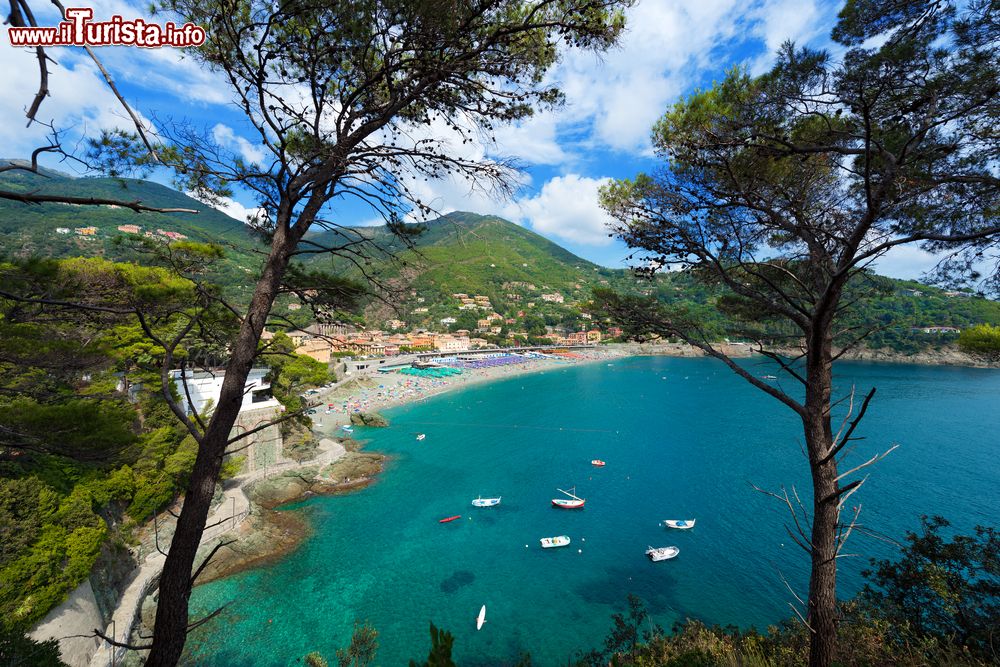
(651,582)
(457,580)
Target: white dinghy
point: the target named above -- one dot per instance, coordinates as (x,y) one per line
(486,502)
(679,524)
(481,618)
(657,554)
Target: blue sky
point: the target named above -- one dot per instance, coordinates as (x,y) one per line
(671,47)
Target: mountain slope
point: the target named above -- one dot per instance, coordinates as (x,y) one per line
(478,254)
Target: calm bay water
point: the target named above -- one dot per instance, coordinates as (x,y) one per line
(683,438)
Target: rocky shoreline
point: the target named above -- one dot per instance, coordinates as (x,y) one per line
(943,356)
(271,534)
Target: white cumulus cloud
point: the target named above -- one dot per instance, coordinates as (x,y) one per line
(567,208)
(233,208)
(226,137)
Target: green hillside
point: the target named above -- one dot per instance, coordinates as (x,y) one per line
(470,253)
(33,229)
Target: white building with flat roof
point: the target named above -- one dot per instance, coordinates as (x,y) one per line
(204,388)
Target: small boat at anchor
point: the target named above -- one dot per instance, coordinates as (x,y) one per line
(450,518)
(598,463)
(552,542)
(570,503)
(481,618)
(679,524)
(347,428)
(656,554)
(486,502)
(420,436)
(769,377)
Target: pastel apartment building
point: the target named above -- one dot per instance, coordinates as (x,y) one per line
(452,343)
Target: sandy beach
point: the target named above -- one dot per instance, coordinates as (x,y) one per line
(372,393)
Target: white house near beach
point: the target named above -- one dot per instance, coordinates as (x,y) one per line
(204,388)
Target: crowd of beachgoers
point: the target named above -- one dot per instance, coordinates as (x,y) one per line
(378,391)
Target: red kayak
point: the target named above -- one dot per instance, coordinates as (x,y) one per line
(451,518)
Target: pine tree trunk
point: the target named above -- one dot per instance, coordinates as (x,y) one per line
(170,632)
(822,602)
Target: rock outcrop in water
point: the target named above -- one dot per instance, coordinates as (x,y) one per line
(369,419)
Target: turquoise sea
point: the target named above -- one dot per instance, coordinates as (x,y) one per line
(683,438)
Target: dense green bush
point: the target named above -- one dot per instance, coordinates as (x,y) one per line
(982,340)
(54,516)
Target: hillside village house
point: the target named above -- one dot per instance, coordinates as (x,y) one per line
(130,229)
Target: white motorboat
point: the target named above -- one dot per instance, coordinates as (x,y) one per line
(486,502)
(421,436)
(559,541)
(657,554)
(679,524)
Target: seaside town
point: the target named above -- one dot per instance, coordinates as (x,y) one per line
(324,342)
